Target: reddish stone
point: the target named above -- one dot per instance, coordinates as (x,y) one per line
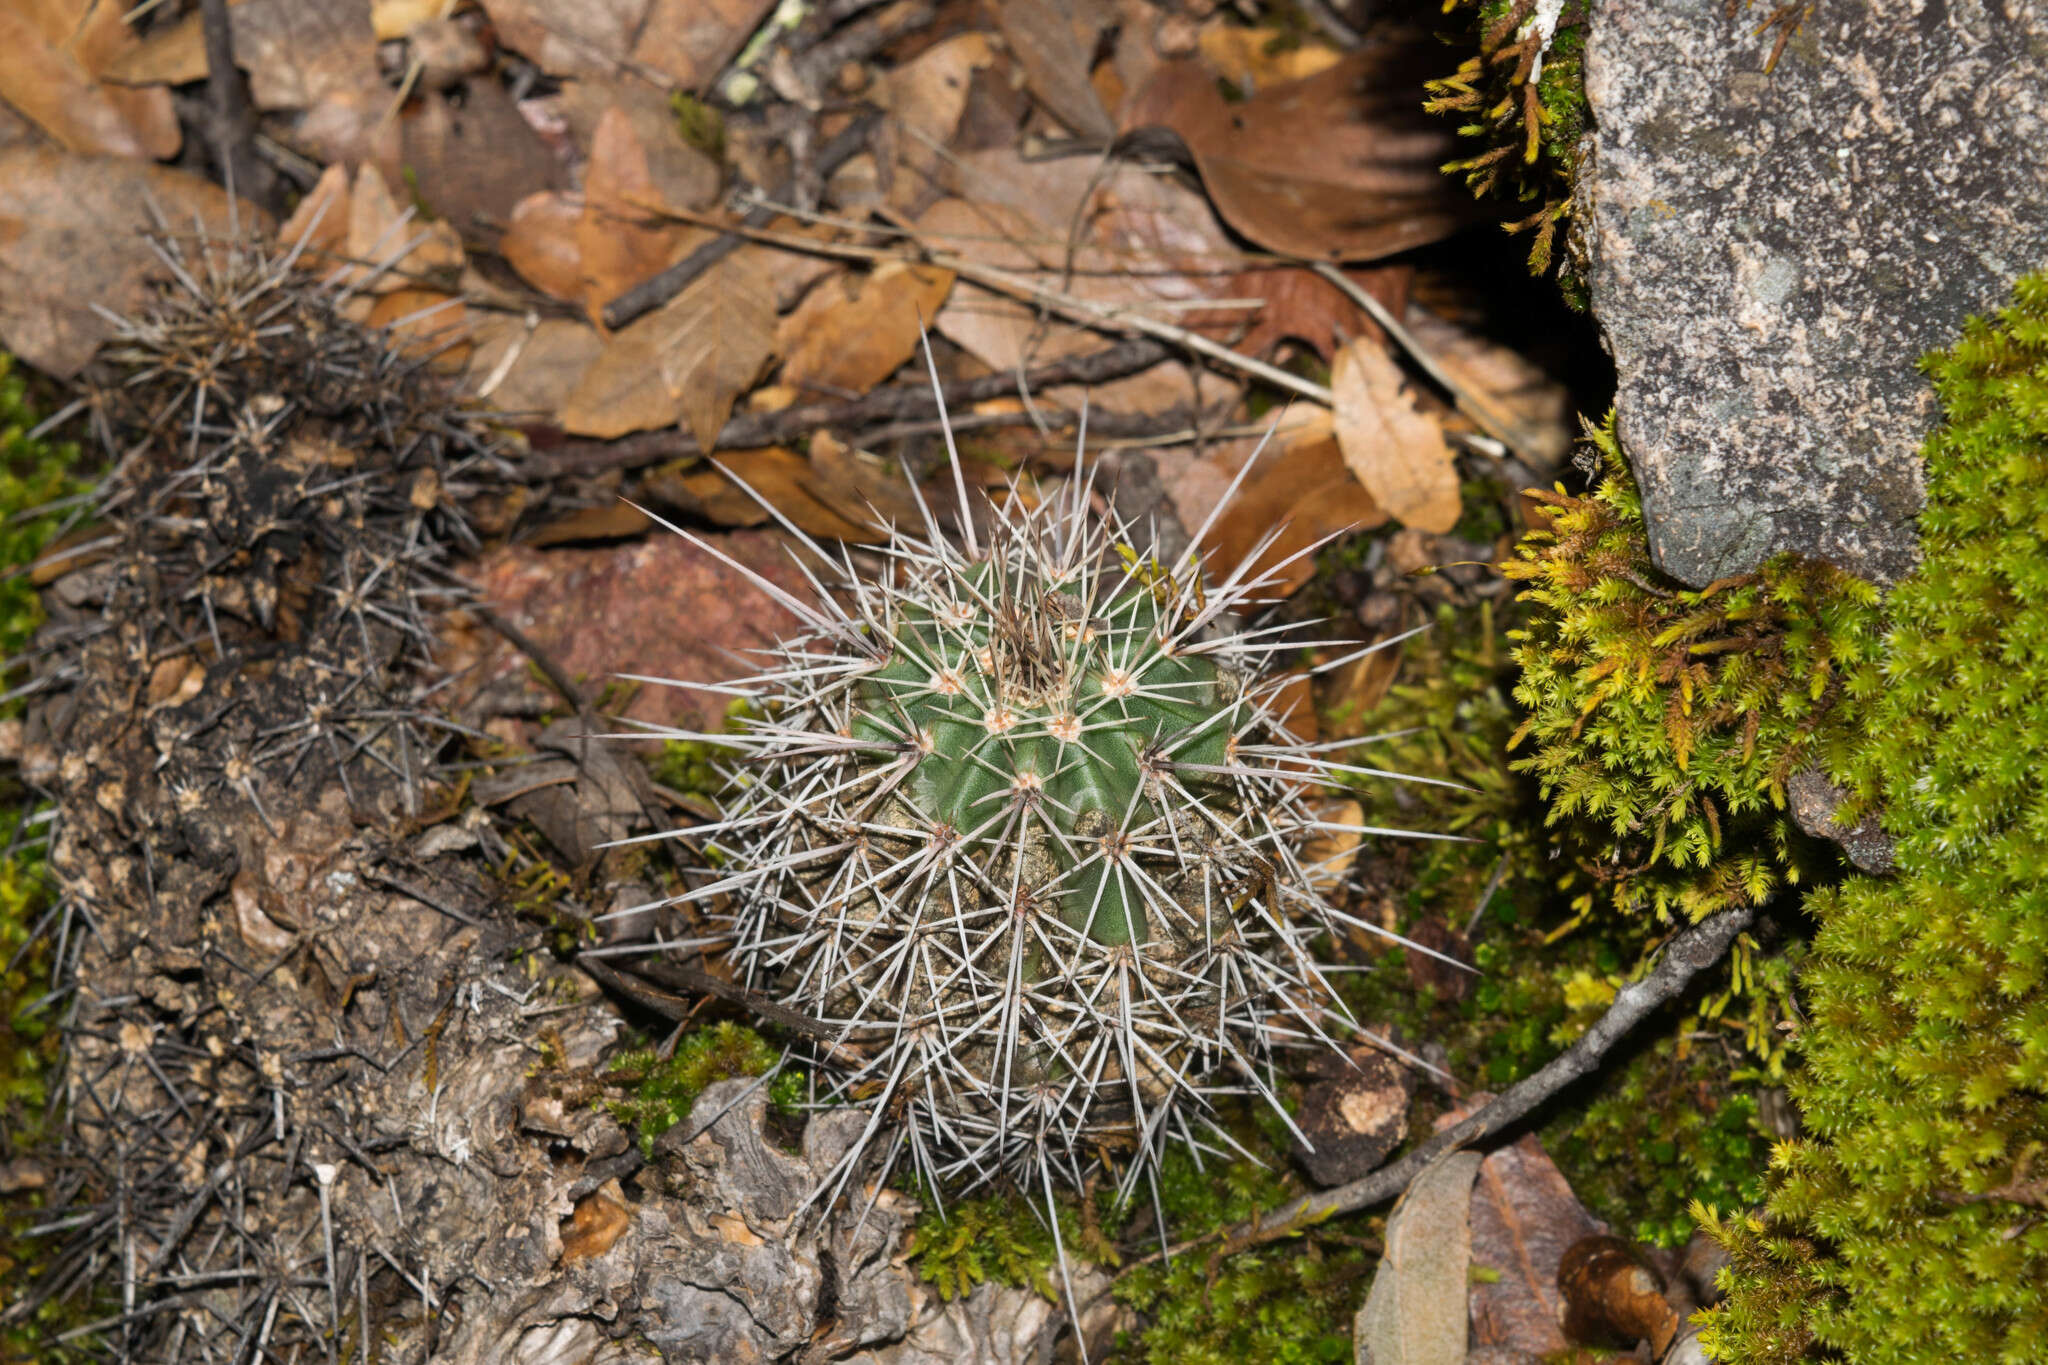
(660,606)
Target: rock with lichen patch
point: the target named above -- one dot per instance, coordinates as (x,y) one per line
(1773,252)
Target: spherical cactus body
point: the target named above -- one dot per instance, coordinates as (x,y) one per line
(1020,828)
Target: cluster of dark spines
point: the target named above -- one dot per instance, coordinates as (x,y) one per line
(282,497)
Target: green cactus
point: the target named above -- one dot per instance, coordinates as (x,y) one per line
(1005,717)
(1021,821)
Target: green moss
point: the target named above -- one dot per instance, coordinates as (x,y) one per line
(1002,1238)
(657,1094)
(692,766)
(1668,1128)
(1663,720)
(1290,1302)
(33,474)
(1920,1181)
(699,124)
(1526,131)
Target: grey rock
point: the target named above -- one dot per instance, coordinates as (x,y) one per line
(1814,801)
(1771,254)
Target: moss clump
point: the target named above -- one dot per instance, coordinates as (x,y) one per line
(33,474)
(658,1094)
(696,767)
(1923,1177)
(1291,1303)
(1665,720)
(1667,1129)
(1524,101)
(1004,1238)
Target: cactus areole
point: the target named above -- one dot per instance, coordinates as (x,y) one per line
(1021,821)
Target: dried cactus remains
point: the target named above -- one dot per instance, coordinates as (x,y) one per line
(1022,821)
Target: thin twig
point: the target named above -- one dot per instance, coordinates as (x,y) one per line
(544,661)
(656,290)
(1688,954)
(680,1008)
(1102,314)
(895,403)
(1472,404)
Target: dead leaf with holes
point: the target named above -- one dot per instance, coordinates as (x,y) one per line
(851,333)
(688,360)
(1397,450)
(53,57)
(1340,166)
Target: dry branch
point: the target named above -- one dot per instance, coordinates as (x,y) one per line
(895,403)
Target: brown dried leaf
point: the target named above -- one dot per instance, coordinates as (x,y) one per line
(1518,398)
(927,95)
(690,41)
(321,219)
(1054,44)
(50,55)
(1249,59)
(1301,483)
(782,478)
(850,334)
(1137,240)
(296,54)
(474,164)
(1397,450)
(1300,305)
(426,322)
(1341,166)
(1524,1216)
(857,485)
(73,228)
(569,37)
(638,166)
(689,359)
(606,521)
(518,368)
(378,232)
(541,244)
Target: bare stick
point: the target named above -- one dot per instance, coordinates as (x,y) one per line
(1688,954)
(656,290)
(896,403)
